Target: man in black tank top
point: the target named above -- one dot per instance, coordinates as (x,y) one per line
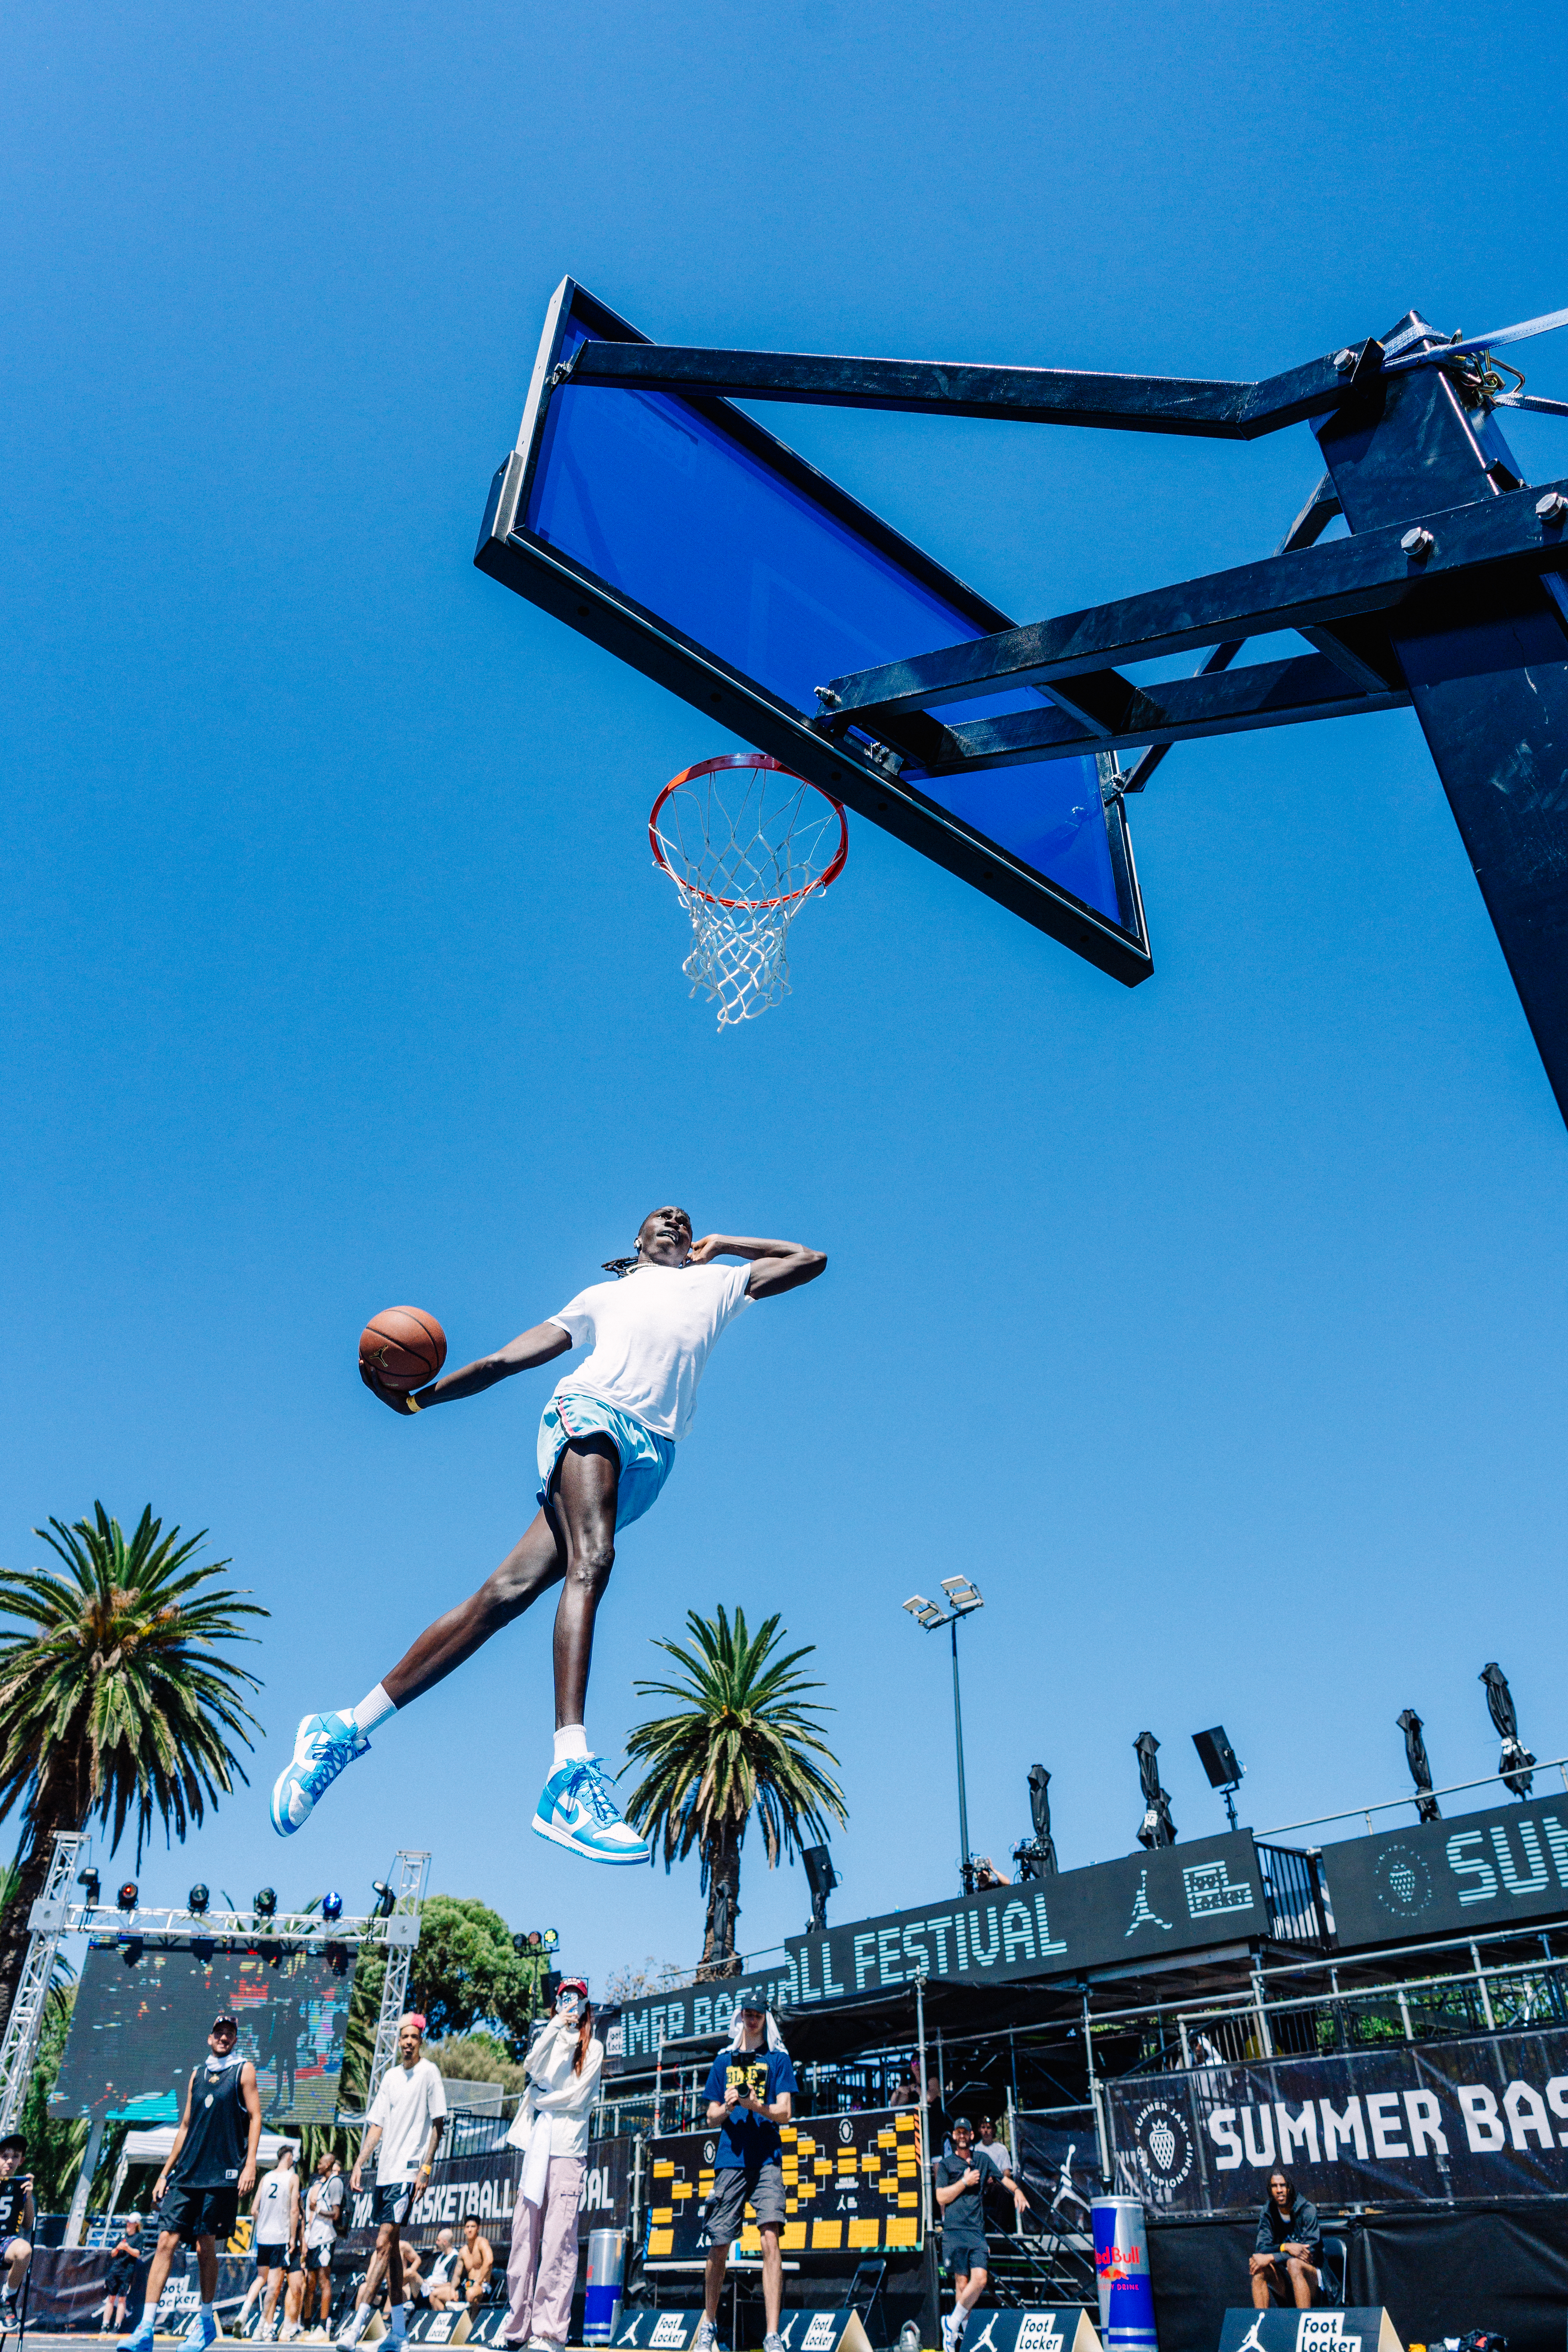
(17,2222)
(211,2167)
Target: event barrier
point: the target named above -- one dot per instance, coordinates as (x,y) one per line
(1365,2330)
(800,2331)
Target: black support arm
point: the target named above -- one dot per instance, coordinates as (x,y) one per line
(1214,411)
(1342,578)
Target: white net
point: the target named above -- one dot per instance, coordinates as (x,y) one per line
(746,844)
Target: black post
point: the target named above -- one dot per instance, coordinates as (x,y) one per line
(1491,693)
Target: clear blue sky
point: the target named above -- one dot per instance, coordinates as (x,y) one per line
(1217,1329)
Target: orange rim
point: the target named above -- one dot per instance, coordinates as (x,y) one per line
(749,760)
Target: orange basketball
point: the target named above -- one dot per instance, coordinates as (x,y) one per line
(403,1346)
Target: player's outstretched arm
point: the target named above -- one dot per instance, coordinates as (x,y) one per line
(537,1346)
(775,1265)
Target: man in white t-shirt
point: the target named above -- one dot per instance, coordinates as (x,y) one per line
(402,2131)
(605,1446)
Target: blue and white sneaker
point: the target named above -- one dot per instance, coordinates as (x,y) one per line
(575,1810)
(323,1746)
(203,2330)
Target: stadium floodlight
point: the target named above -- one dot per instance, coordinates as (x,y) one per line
(126,1898)
(196,1901)
(963,1599)
(332,1905)
(266,1903)
(87,1880)
(385,1900)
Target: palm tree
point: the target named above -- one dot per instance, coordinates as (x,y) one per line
(740,1743)
(116,1700)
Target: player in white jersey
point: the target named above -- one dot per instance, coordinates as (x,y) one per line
(606,1444)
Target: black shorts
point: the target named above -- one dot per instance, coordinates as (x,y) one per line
(318,2258)
(268,2255)
(963,2251)
(194,2212)
(391,2201)
(121,2274)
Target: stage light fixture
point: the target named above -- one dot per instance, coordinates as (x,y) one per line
(385,1900)
(202,1948)
(332,1905)
(1220,1761)
(87,1880)
(198,1898)
(126,1898)
(266,1903)
(338,1959)
(130,1950)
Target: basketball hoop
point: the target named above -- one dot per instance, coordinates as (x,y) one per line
(746,843)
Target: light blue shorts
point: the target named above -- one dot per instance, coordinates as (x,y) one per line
(646,1459)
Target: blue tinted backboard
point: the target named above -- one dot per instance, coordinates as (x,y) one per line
(693,544)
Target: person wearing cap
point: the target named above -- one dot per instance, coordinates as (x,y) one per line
(18,2221)
(210,2167)
(561,2082)
(960,2182)
(750,2093)
(402,2131)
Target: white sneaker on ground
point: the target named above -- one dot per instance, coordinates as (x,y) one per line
(707,2335)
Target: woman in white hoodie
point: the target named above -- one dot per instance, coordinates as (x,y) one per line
(562,2082)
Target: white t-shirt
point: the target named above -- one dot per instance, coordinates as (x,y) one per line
(408,2102)
(651,1334)
(272,2209)
(322,2207)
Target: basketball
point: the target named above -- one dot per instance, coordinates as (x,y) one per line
(403,1346)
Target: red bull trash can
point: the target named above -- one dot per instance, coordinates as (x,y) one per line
(1121,2270)
(607,2270)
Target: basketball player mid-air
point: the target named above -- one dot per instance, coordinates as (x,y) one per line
(606,1443)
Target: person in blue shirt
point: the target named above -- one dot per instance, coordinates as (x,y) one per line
(750,2093)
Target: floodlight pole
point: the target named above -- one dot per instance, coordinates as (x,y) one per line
(966,1866)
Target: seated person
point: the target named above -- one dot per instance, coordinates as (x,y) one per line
(412,2278)
(17,2222)
(478,2260)
(441,2287)
(1290,2246)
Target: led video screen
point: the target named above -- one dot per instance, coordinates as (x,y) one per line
(137,2032)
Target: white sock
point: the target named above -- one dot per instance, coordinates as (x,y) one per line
(372,1711)
(571,1744)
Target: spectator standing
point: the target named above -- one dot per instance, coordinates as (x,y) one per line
(323,2218)
(750,2092)
(402,2131)
(561,2082)
(210,2167)
(124,2261)
(18,2221)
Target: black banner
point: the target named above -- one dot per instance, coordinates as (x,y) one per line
(852,2184)
(1478,2119)
(1451,1878)
(1176,1899)
(486,2186)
